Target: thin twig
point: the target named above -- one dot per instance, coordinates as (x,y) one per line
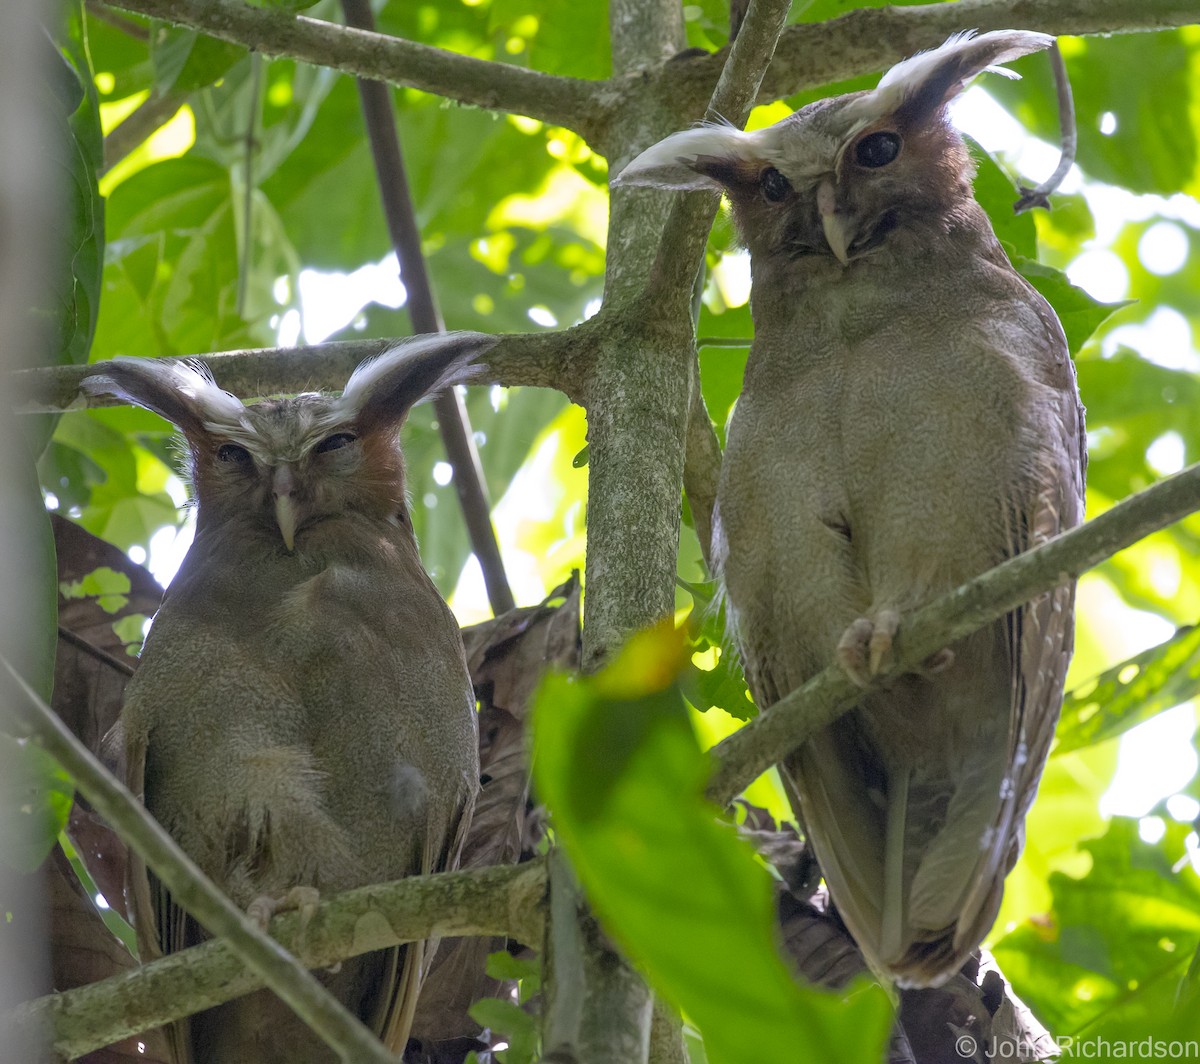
(570,102)
(702,467)
(1068,134)
(111,660)
(249,147)
(198,895)
(151,115)
(127,26)
(745,755)
(686,232)
(454,423)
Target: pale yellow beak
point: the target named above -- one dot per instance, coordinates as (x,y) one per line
(837,235)
(833,221)
(284,486)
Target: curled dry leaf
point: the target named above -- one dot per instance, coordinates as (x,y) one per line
(98,587)
(83,950)
(507,657)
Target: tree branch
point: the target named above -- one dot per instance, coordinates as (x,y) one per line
(869,39)
(569,102)
(505,900)
(198,895)
(151,115)
(541,360)
(808,55)
(686,233)
(743,756)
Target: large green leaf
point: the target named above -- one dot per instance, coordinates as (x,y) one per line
(823,10)
(78,239)
(996,193)
(1130,403)
(1144,85)
(617,762)
(172,278)
(1111,954)
(571,36)
(185,60)
(1131,692)
(35,787)
(1080,314)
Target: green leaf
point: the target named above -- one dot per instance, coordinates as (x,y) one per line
(996,193)
(564,36)
(713,676)
(1080,314)
(1132,692)
(40,792)
(527,971)
(1118,941)
(172,277)
(1147,82)
(514,1023)
(113,920)
(823,10)
(185,60)
(72,301)
(618,764)
(1130,403)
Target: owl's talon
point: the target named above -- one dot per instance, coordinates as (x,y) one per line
(261,909)
(301,899)
(886,624)
(852,651)
(866,646)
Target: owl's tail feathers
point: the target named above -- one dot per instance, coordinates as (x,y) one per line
(916,896)
(397,1020)
(892,932)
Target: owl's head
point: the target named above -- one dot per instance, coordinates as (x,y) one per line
(285,465)
(840,175)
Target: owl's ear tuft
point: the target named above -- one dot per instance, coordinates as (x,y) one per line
(183,392)
(380,393)
(922,84)
(709,156)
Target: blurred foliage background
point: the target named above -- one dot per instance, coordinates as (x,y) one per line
(237,207)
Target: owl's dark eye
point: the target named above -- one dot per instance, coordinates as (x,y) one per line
(335,442)
(774,185)
(877,149)
(232,453)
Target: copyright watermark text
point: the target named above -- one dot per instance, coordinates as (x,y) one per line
(1094,1048)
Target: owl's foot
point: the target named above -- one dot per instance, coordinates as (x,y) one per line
(866,646)
(303,900)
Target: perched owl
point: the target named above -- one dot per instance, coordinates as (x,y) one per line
(909,419)
(302,714)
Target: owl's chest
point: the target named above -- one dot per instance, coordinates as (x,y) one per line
(326,628)
(864,401)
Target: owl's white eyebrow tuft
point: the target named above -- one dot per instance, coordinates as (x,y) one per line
(219,410)
(907,75)
(718,139)
(367,376)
